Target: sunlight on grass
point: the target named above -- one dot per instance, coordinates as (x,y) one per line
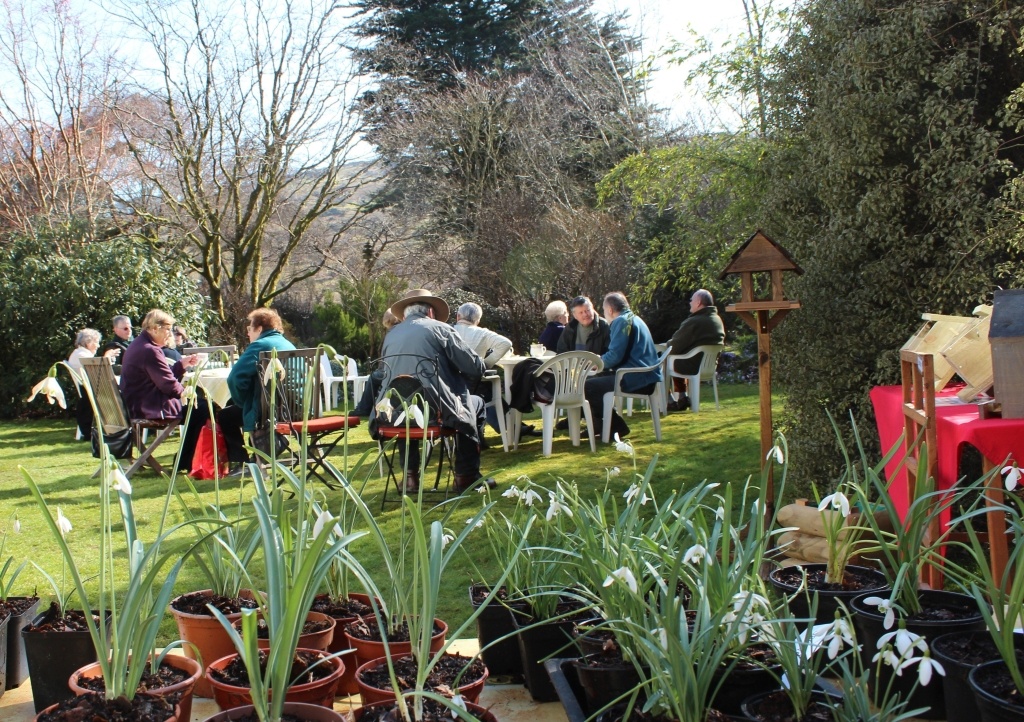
(716,446)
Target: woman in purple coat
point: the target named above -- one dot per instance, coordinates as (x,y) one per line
(151,385)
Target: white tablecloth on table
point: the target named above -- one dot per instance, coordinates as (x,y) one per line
(215,383)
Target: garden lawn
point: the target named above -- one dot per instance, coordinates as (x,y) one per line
(713,446)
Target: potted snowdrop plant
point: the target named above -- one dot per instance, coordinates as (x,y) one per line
(15,612)
(837,581)
(128,653)
(425,670)
(899,625)
(299,542)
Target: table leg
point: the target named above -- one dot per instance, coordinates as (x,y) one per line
(996,521)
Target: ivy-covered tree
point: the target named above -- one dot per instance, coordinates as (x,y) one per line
(894,145)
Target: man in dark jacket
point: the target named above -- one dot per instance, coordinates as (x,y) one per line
(587,331)
(425,347)
(703,327)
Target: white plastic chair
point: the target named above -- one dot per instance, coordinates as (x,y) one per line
(571,371)
(331,383)
(708,372)
(654,399)
(496,401)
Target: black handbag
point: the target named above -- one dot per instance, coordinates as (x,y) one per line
(261,441)
(119,443)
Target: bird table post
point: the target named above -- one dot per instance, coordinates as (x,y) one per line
(761,255)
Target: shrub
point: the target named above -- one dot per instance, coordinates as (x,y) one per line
(47,295)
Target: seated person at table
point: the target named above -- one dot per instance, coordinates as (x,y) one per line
(703,327)
(181,339)
(423,333)
(86,343)
(115,348)
(245,384)
(631,346)
(586,332)
(491,347)
(152,389)
(557,315)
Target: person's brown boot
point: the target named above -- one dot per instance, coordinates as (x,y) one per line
(465,482)
(412,482)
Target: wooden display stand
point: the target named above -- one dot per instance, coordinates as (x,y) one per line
(935,334)
(970,355)
(760,255)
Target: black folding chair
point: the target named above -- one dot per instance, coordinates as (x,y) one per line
(288,385)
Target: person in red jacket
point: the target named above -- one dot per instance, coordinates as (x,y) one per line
(151,387)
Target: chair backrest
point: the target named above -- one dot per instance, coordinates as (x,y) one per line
(99,373)
(217,355)
(407,385)
(709,362)
(570,370)
(288,385)
(352,368)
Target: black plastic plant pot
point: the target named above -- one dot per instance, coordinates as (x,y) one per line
(537,643)
(17,664)
(52,657)
(780,706)
(739,684)
(869,626)
(3,650)
(604,684)
(829,600)
(992,684)
(494,622)
(959,653)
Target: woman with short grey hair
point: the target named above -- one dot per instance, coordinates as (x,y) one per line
(557,315)
(86,342)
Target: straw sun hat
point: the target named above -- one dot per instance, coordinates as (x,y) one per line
(422,295)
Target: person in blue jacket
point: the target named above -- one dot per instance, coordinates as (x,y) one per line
(630,345)
(264,330)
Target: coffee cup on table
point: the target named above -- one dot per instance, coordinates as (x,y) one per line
(537,350)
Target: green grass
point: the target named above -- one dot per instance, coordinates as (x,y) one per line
(714,446)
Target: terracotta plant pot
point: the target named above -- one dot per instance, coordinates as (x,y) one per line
(306,712)
(207,635)
(367,650)
(339,643)
(470,692)
(320,692)
(484,715)
(314,640)
(175,715)
(189,666)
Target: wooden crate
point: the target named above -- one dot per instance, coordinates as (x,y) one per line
(971,356)
(1006,339)
(935,334)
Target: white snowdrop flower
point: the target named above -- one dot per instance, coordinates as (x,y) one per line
(662,636)
(446,540)
(613,472)
(459,702)
(624,446)
(63,523)
(384,408)
(274,368)
(776,453)
(188,395)
(510,493)
(1013,475)
(482,489)
(49,388)
(475,526)
(119,480)
(885,606)
(531,496)
(888,657)
(904,641)
(837,501)
(623,574)
(925,667)
(720,513)
(632,492)
(16,527)
(555,508)
(417,416)
(695,554)
(322,521)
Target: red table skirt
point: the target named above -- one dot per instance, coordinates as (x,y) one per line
(956,424)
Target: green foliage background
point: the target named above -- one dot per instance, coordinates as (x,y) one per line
(47,295)
(892,151)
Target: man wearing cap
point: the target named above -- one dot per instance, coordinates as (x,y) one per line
(423,334)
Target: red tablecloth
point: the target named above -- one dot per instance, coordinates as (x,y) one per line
(956,424)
